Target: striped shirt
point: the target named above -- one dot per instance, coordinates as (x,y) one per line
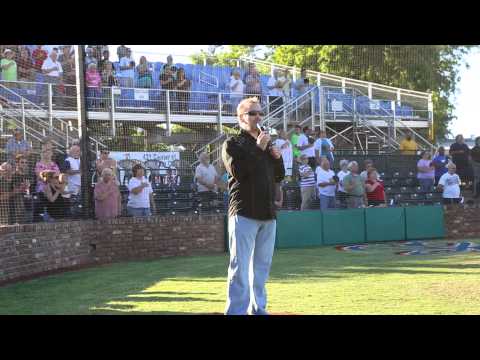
(306,180)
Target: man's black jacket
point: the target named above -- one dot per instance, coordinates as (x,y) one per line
(252,177)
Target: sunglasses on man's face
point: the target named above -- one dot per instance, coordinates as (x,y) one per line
(255,113)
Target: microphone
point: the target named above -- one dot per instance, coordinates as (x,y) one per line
(270,145)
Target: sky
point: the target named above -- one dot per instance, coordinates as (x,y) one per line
(466,99)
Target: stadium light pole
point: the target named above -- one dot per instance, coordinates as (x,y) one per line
(86,189)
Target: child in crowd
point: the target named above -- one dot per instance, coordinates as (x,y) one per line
(449,183)
(307,183)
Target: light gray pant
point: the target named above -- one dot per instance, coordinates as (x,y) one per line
(308,194)
(355,202)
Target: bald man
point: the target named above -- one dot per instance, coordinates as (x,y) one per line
(255,170)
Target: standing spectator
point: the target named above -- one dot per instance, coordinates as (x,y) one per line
(294,140)
(307,183)
(375,189)
(287,85)
(206,177)
(93,81)
(105,162)
(16,145)
(440,163)
(21,181)
(56,205)
(67,59)
(25,68)
(368,165)
(39,55)
(167,82)
(285,147)
(44,164)
(121,52)
(52,71)
(449,184)
(342,194)
(144,74)
(126,74)
(107,196)
(275,95)
(355,187)
(140,200)
(408,146)
(251,79)
(168,65)
(8,66)
(323,147)
(475,155)
(300,84)
(327,184)
(74,177)
(5,192)
(460,156)
(237,88)
(90,57)
(102,63)
(306,146)
(108,75)
(182,97)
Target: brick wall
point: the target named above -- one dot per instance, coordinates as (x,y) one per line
(462,222)
(30,250)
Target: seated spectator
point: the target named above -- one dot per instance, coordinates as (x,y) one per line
(475,155)
(206,178)
(21,181)
(126,74)
(368,165)
(8,66)
(251,79)
(172,179)
(74,177)
(237,88)
(275,95)
(102,64)
(182,98)
(375,189)
(107,196)
(25,68)
(285,147)
(449,184)
(121,52)
(342,195)
(6,172)
(56,206)
(354,187)
(109,77)
(326,185)
(16,145)
(440,163)
(144,74)
(426,172)
(106,162)
(89,57)
(307,183)
(140,200)
(39,55)
(408,146)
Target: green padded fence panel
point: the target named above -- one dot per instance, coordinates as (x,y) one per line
(385,224)
(297,229)
(424,222)
(343,226)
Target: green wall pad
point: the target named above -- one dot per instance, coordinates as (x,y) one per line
(297,229)
(343,226)
(385,224)
(424,222)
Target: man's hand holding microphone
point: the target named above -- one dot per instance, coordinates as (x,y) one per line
(264,141)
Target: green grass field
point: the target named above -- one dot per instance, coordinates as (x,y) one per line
(303,281)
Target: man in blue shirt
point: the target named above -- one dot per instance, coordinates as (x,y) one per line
(440,163)
(17,146)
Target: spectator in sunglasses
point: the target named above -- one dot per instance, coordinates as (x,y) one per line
(105,161)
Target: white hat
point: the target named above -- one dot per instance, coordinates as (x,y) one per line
(6,50)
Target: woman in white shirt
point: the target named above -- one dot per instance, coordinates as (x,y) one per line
(140,199)
(342,194)
(236,90)
(285,147)
(449,183)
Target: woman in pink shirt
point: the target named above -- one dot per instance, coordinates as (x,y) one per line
(94,83)
(107,196)
(45,163)
(426,172)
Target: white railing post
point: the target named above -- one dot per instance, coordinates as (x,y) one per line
(370,91)
(284,119)
(220,120)
(67,137)
(343,85)
(312,105)
(112,111)
(23,121)
(169,130)
(50,107)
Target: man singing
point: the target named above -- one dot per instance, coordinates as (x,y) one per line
(255,170)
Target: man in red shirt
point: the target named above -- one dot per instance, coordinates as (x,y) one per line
(375,189)
(39,55)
